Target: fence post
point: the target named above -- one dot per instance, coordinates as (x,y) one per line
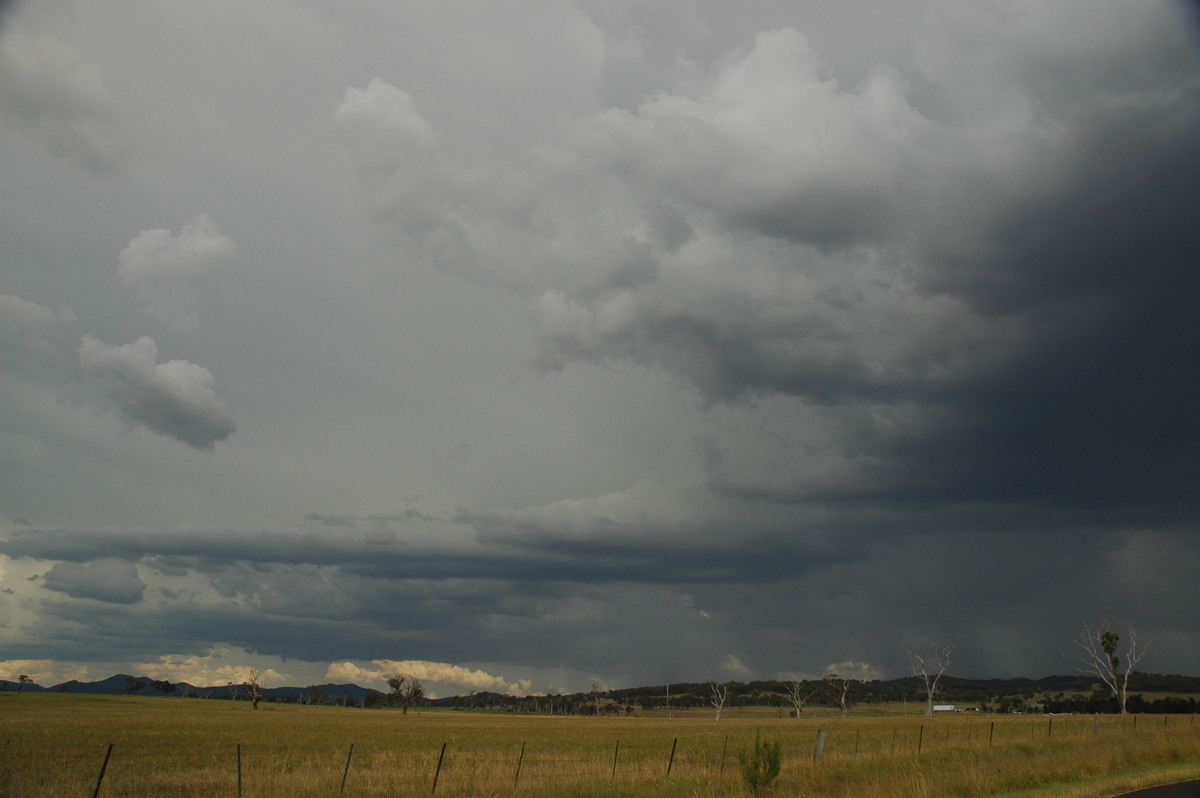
(616,753)
(438,772)
(346,772)
(1050,727)
(239,769)
(724,750)
(991,731)
(671,761)
(920,739)
(819,750)
(857,734)
(104,767)
(520,759)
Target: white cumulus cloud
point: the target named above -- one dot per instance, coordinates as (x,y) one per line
(44,672)
(172,274)
(439,672)
(176,399)
(212,668)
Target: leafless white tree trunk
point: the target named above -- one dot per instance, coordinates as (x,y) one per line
(930,659)
(838,688)
(1097,652)
(720,694)
(797,696)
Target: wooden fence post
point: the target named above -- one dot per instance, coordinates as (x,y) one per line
(671,761)
(991,731)
(724,750)
(346,771)
(438,772)
(520,759)
(616,753)
(920,739)
(104,767)
(819,750)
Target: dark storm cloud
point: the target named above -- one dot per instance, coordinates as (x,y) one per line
(1001,584)
(106,580)
(512,550)
(1023,316)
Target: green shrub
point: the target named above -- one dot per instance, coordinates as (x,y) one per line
(761,762)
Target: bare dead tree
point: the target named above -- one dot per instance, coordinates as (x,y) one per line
(1097,651)
(720,694)
(838,688)
(930,659)
(406,690)
(796,694)
(252,687)
(596,691)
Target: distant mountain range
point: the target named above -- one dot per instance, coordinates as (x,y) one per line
(124,684)
(952,689)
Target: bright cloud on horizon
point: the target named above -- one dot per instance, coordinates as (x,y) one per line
(211,669)
(442,673)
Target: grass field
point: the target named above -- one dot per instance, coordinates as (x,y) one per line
(55,744)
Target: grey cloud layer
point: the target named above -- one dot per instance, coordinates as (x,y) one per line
(56,94)
(106,580)
(618,338)
(303,597)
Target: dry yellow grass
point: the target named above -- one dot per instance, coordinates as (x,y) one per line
(54,745)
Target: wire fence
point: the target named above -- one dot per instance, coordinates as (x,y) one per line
(485,765)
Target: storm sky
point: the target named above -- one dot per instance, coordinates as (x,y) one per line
(525,344)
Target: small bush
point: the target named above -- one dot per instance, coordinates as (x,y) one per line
(761,762)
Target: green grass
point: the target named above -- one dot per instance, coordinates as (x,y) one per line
(54,744)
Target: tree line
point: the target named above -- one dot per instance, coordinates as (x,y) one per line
(1106,655)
